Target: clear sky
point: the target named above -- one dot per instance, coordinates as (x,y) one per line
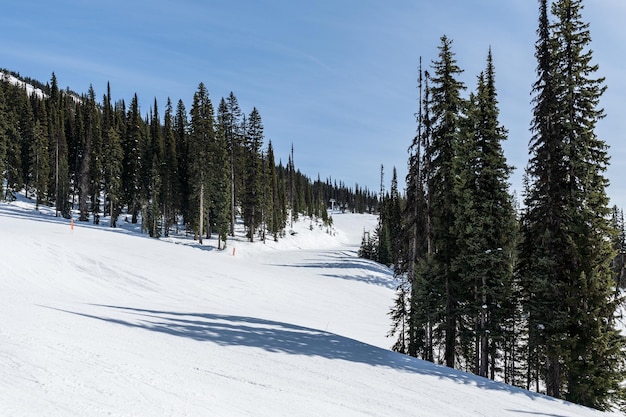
(337,78)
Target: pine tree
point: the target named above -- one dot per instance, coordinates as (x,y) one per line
(202,135)
(132,159)
(59,179)
(543,223)
(416,323)
(112,159)
(233,133)
(153,177)
(181,127)
(26,128)
(446,108)
(95,168)
(221,196)
(40,164)
(4,140)
(394,221)
(12,167)
(252,197)
(566,252)
(276,207)
(281,202)
(169,170)
(486,227)
(292,196)
(598,347)
(619,246)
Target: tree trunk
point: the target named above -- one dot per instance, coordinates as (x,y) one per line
(201,228)
(450,345)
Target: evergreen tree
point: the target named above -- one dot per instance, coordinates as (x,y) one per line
(4,141)
(13,141)
(565,254)
(252,197)
(619,246)
(181,127)
(394,221)
(95,167)
(276,206)
(202,135)
(169,170)
(132,159)
(153,178)
(233,133)
(281,201)
(446,108)
(59,179)
(26,128)
(590,296)
(221,196)
(486,227)
(112,154)
(40,164)
(292,196)
(418,239)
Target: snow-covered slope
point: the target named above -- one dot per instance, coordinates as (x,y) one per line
(101,322)
(30,90)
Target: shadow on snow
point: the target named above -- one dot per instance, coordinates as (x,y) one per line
(280,337)
(342,260)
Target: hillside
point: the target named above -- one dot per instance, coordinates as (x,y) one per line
(101,322)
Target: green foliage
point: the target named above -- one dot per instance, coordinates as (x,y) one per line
(446,108)
(221,179)
(568,287)
(39,163)
(201,140)
(368,248)
(3,138)
(131,143)
(58,183)
(252,198)
(233,133)
(455,249)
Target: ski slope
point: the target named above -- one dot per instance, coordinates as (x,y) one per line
(107,322)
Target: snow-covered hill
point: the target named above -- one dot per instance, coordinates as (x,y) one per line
(101,322)
(30,90)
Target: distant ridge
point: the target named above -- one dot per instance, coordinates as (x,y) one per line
(31,85)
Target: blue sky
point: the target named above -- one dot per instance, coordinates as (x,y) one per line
(335,78)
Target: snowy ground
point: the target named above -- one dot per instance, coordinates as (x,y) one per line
(102,322)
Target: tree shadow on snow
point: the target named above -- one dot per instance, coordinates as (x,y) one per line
(371,271)
(537,414)
(280,337)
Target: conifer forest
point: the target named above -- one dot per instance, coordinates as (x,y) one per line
(530,292)
(527,292)
(198,170)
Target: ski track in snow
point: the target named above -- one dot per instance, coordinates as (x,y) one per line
(101,322)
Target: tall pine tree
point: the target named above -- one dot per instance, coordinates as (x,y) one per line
(252,192)
(485,228)
(446,106)
(565,252)
(201,138)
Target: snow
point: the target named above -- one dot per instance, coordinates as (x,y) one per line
(108,322)
(30,90)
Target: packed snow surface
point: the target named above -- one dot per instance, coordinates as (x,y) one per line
(108,322)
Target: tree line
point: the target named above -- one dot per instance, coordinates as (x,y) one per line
(199,170)
(528,295)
